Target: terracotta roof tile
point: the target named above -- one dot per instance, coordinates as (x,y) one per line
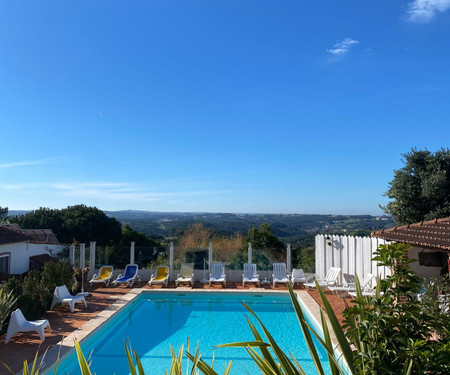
(432,234)
(41,236)
(8,236)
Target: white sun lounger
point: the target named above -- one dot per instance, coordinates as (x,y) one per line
(186,274)
(344,290)
(298,276)
(130,275)
(218,274)
(330,279)
(279,274)
(18,323)
(250,274)
(62,295)
(161,276)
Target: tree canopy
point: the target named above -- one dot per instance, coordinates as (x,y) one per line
(421,189)
(80,223)
(263,238)
(3,213)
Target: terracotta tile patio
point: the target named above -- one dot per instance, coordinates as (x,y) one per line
(63,322)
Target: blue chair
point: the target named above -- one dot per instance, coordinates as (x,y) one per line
(129,276)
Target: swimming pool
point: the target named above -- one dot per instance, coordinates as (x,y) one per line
(153,321)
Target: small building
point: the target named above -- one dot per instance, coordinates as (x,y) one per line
(17,246)
(430,241)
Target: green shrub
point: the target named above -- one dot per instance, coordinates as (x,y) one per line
(196,256)
(57,274)
(394,332)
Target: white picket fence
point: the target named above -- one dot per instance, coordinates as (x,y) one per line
(352,254)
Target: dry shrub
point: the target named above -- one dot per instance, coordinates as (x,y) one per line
(199,237)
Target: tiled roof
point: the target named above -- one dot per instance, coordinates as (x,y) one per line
(41,236)
(431,234)
(31,235)
(8,235)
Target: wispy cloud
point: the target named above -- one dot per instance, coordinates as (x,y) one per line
(423,11)
(342,47)
(27,163)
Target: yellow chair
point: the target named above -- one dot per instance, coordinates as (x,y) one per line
(161,277)
(104,276)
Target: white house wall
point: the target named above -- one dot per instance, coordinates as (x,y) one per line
(20,254)
(422,271)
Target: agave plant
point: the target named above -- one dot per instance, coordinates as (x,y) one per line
(280,363)
(7,304)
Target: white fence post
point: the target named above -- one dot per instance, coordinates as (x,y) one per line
(132,252)
(210,257)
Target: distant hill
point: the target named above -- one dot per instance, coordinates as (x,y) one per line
(289,227)
(294,228)
(18,212)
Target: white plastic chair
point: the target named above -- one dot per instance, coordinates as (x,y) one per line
(18,323)
(250,274)
(186,274)
(62,295)
(298,276)
(217,274)
(279,274)
(330,279)
(351,287)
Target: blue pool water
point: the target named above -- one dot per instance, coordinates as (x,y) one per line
(153,321)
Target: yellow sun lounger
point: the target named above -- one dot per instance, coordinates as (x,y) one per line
(104,276)
(161,277)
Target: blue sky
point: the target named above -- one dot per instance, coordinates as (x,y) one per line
(219,106)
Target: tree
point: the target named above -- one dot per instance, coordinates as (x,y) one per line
(78,222)
(263,238)
(421,189)
(3,214)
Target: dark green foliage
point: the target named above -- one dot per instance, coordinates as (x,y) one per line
(35,298)
(80,222)
(421,189)
(141,239)
(196,256)
(35,292)
(263,238)
(3,214)
(306,259)
(57,274)
(393,331)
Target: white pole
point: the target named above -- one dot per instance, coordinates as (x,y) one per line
(82,264)
(132,253)
(249,252)
(210,258)
(288,258)
(171,259)
(72,255)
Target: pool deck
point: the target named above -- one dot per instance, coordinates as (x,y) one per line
(104,302)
